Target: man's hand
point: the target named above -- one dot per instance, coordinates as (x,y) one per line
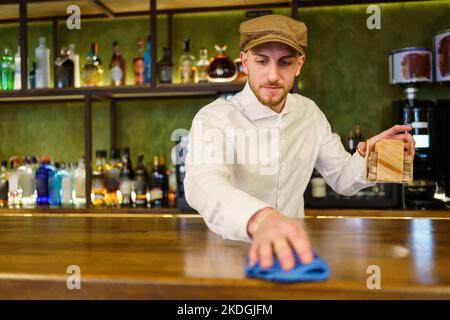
(395,132)
(273,232)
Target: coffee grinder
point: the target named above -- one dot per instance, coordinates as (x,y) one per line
(411,68)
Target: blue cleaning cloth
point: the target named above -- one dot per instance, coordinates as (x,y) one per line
(317,270)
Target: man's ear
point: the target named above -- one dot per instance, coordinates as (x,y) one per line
(244,57)
(300,62)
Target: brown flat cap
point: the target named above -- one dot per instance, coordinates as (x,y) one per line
(273,28)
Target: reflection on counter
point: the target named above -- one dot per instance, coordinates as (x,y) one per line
(382,195)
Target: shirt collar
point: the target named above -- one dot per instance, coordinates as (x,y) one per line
(254,109)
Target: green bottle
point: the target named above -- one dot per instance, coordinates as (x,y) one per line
(7,71)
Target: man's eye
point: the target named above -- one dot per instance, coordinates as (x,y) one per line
(261,61)
(286,63)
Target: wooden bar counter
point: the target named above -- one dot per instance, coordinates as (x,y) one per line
(166,255)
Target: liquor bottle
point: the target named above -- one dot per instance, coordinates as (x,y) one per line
(242,76)
(80,184)
(141,183)
(202,66)
(27,182)
(17,68)
(148,61)
(32,77)
(76,64)
(158,183)
(126,180)
(93,70)
(351,147)
(222,68)
(4,187)
(358,135)
(187,64)
(172,186)
(42,54)
(54,186)
(117,67)
(66,174)
(64,70)
(165,67)
(113,177)
(139,65)
(94,49)
(44,171)
(98,191)
(14,192)
(7,71)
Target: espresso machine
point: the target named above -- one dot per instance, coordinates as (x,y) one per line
(412,68)
(442,72)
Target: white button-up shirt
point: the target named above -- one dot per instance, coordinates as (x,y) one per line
(242,157)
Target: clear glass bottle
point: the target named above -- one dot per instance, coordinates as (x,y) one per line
(66,173)
(4,186)
(140,183)
(64,70)
(76,63)
(187,64)
(14,192)
(42,54)
(98,190)
(27,182)
(202,66)
(7,71)
(117,67)
(17,68)
(222,68)
(80,184)
(113,169)
(139,64)
(165,67)
(54,186)
(126,180)
(148,61)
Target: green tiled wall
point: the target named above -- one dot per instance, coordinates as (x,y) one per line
(346,73)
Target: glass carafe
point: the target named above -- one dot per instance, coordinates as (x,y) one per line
(222,68)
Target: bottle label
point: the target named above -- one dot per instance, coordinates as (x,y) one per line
(140,186)
(27,183)
(66,189)
(125,187)
(80,184)
(139,71)
(165,74)
(187,74)
(13,181)
(202,73)
(116,74)
(156,194)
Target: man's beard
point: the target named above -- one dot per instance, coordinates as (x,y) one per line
(271,102)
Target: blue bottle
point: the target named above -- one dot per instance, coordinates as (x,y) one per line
(54,186)
(42,174)
(147,61)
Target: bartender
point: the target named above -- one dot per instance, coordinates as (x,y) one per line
(250,158)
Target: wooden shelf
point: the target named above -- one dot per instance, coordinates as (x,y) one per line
(120,93)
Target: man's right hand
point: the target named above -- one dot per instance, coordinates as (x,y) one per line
(273,232)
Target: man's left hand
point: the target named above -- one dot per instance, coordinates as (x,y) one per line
(398,131)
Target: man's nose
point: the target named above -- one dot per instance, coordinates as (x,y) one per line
(274,74)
